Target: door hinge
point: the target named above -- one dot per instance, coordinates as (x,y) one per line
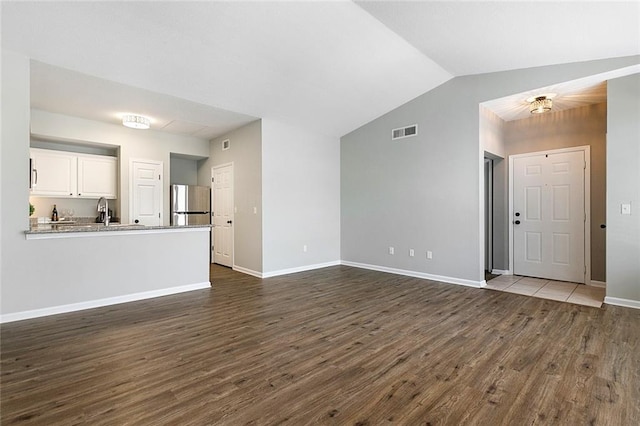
(158,215)
(159,177)
(212,179)
(585,165)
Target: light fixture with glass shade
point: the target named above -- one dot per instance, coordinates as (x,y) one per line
(136,121)
(540,104)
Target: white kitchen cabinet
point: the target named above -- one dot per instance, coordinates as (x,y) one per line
(70,175)
(55,173)
(97,176)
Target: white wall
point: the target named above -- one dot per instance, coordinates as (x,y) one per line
(133,144)
(623,186)
(32,271)
(14,180)
(301,198)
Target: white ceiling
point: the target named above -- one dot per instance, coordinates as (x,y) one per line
(328,66)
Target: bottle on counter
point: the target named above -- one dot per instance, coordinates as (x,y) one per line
(54,214)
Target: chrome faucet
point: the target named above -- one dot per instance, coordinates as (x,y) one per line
(103,206)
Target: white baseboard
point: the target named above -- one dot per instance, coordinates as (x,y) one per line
(627,303)
(600,284)
(36,313)
(300,269)
(441,278)
(501,272)
(247,271)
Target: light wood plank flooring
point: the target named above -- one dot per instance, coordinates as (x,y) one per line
(337,346)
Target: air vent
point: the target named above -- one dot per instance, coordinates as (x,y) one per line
(226,144)
(404,132)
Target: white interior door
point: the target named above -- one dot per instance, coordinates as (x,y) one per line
(145,200)
(549,216)
(222,214)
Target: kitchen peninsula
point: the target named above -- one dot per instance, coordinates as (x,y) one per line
(84,267)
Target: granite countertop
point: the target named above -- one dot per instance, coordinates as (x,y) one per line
(60,228)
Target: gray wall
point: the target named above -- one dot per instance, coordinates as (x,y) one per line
(424,192)
(563,129)
(623,186)
(183,171)
(245,152)
(301,193)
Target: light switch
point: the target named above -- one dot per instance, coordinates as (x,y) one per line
(625,208)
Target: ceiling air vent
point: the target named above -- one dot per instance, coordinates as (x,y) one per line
(404,132)
(226,144)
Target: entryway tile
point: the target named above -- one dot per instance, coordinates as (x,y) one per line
(556,290)
(586,295)
(561,291)
(528,288)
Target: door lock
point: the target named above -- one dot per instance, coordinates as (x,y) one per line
(517,222)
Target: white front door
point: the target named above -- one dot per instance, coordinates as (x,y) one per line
(549,216)
(145,200)
(222,214)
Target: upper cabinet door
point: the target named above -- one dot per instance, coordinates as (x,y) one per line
(54,173)
(97,176)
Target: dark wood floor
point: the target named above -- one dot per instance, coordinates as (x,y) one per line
(334,346)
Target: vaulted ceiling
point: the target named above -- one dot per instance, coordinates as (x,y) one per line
(202,68)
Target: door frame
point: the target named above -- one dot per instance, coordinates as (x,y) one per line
(233,228)
(587,203)
(131,185)
(488,214)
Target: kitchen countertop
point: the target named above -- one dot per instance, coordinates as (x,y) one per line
(43,229)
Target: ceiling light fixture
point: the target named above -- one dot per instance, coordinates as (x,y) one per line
(136,121)
(540,104)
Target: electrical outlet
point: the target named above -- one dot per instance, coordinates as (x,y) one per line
(391,250)
(625,208)
(429,254)
(304,248)
(255,210)
(411,252)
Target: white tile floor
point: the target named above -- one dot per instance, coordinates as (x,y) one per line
(579,294)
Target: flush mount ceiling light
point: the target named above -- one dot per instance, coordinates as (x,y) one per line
(540,104)
(136,121)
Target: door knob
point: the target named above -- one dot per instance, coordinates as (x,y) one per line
(517,213)
(603,226)
(517,222)
(136,221)
(229,222)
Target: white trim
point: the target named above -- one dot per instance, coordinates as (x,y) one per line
(600,284)
(424,275)
(73,307)
(627,303)
(116,232)
(247,271)
(300,269)
(501,272)
(587,202)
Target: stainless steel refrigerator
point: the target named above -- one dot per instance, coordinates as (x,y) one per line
(190,205)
